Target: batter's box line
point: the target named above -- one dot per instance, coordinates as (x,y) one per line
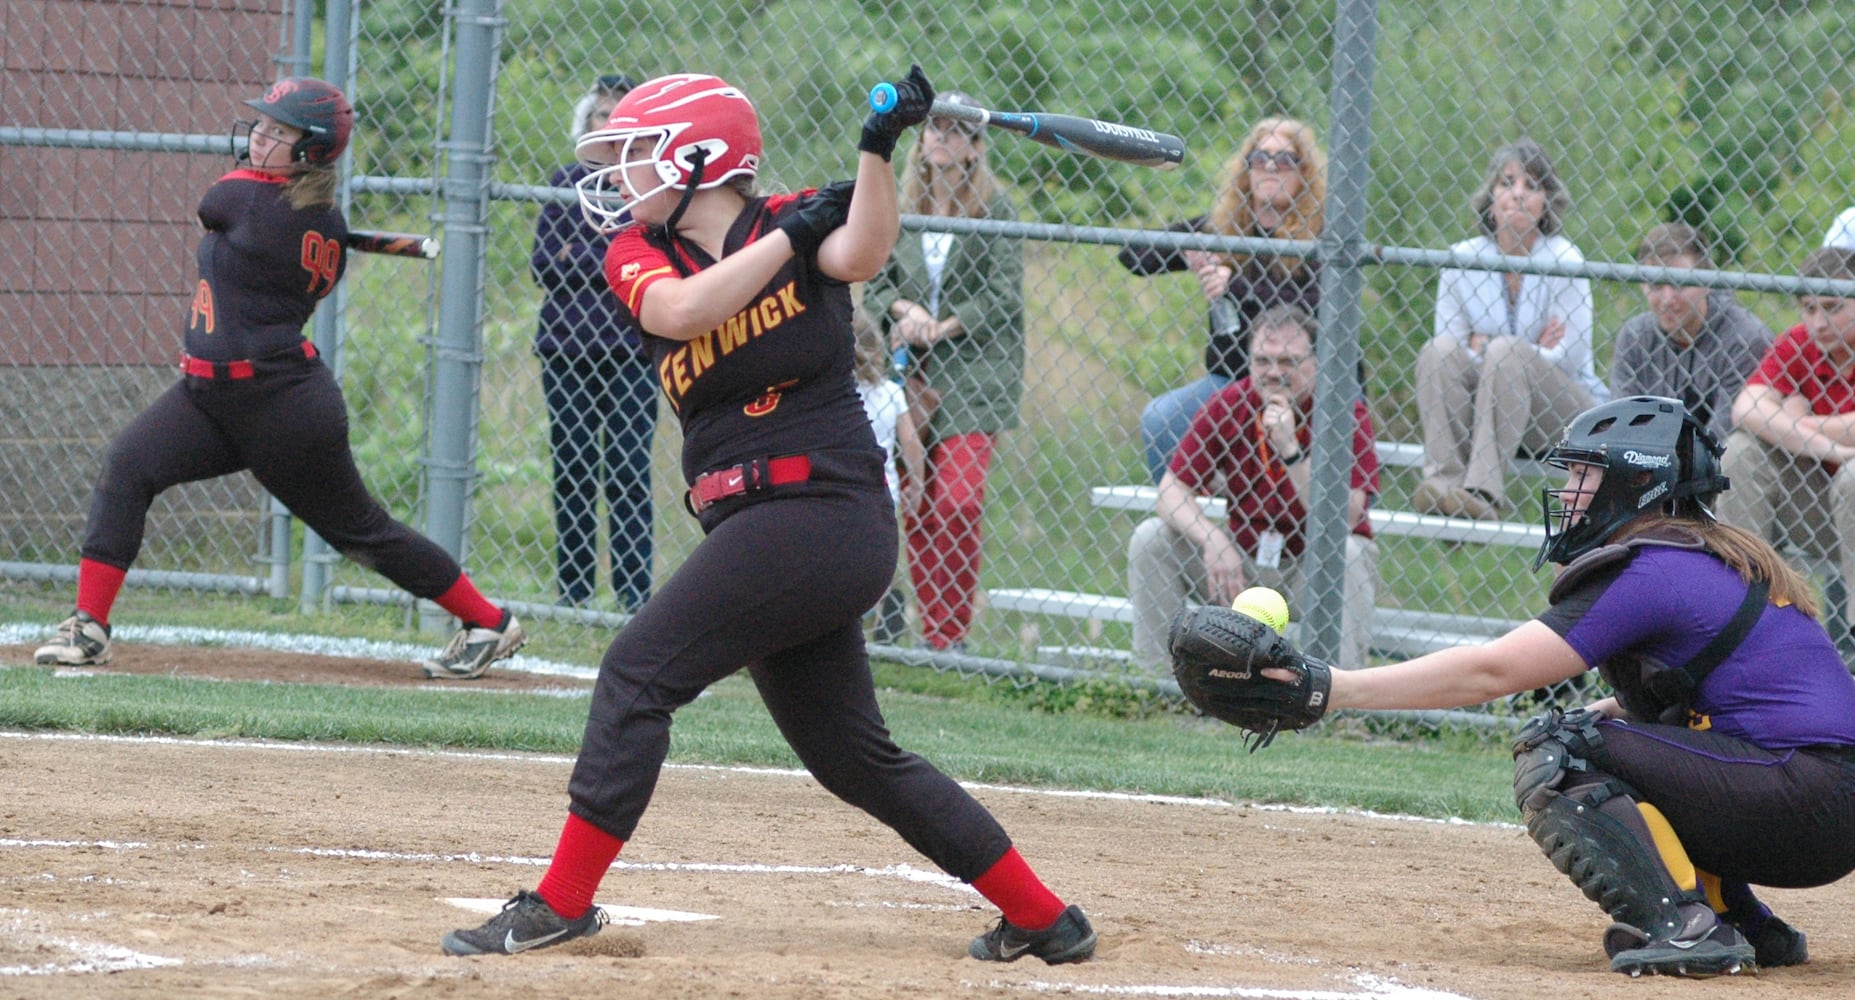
(1372,988)
(285,746)
(900,872)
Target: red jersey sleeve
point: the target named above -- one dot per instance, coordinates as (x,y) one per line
(632,264)
(1786,363)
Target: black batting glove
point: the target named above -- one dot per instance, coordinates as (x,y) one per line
(914,95)
(816,217)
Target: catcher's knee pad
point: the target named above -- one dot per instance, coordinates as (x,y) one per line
(1549,747)
(1610,856)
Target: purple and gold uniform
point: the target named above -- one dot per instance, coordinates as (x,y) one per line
(785,572)
(255,396)
(1758,788)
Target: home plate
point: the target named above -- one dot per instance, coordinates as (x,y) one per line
(616,916)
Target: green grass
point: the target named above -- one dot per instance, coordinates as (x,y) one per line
(972,739)
(1097,736)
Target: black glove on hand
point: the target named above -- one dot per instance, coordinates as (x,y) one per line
(815,218)
(914,95)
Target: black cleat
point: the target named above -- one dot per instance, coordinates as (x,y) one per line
(1703,949)
(1777,943)
(1070,939)
(525,923)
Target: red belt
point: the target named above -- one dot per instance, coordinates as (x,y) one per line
(202,368)
(748,477)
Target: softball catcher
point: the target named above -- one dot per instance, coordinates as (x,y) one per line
(1726,759)
(746,307)
(253,395)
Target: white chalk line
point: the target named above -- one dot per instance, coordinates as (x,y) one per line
(87,956)
(616,914)
(1372,988)
(24,633)
(1134,797)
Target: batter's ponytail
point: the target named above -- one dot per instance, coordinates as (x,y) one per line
(312,186)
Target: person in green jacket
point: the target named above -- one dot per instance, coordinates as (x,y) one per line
(955,302)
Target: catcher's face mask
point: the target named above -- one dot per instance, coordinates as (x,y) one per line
(1653,456)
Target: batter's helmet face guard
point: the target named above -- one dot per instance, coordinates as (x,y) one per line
(662,125)
(1654,457)
(318,108)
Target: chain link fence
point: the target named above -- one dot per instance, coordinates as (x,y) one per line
(1377,198)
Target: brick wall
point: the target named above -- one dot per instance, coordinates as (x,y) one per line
(96,246)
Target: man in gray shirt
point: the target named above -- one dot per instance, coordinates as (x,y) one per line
(1694,344)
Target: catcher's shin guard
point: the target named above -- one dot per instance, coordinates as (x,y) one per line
(1595,835)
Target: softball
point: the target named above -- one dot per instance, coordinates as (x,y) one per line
(1264,605)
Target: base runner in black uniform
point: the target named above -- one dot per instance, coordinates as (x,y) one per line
(254,396)
(745,303)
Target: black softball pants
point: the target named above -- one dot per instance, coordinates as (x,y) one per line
(779,587)
(290,428)
(1783,818)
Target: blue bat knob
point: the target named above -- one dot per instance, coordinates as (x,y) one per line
(882,98)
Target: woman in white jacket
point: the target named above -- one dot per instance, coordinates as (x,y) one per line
(1511,361)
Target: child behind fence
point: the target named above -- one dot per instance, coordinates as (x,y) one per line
(885,404)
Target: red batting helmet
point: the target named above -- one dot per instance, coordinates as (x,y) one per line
(664,124)
(318,108)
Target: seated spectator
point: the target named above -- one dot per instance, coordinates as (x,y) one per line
(1694,344)
(1249,444)
(1792,458)
(1274,187)
(1510,364)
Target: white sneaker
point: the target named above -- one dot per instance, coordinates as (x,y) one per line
(80,640)
(471,651)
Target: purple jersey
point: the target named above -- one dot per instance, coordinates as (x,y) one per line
(1785,686)
(263,267)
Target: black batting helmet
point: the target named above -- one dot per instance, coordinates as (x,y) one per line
(317,107)
(1655,457)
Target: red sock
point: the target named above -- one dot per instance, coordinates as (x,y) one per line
(580,861)
(97,587)
(1019,893)
(469,605)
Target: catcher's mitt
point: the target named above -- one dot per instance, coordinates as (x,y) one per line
(1218,656)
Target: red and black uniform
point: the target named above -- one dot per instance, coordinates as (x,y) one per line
(255,397)
(785,572)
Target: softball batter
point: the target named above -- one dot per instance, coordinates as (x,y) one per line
(746,307)
(254,396)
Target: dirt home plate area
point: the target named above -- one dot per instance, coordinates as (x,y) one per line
(149,867)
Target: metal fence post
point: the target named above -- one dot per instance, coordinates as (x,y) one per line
(457,362)
(338,69)
(1341,317)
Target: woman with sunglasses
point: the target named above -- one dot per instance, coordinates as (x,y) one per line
(956,302)
(1275,187)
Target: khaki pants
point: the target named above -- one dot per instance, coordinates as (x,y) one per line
(1478,415)
(1791,501)
(1165,571)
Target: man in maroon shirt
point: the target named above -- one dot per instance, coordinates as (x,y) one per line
(1249,444)
(1791,459)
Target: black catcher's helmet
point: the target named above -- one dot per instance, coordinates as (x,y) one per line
(317,107)
(1655,456)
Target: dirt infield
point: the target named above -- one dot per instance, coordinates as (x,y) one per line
(147,867)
